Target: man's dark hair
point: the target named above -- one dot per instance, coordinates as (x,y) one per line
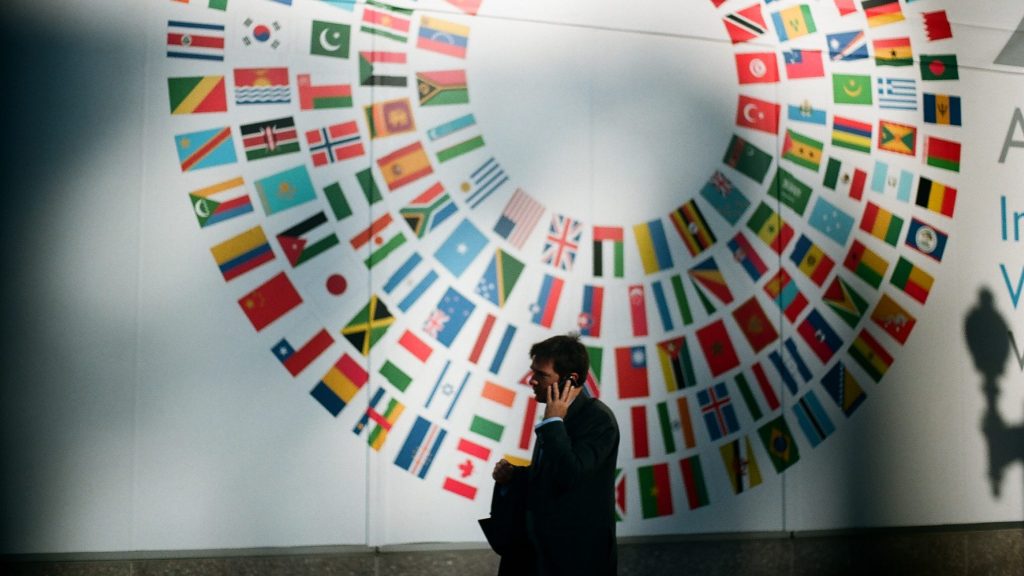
(567,355)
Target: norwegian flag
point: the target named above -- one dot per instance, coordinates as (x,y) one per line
(333,143)
(562,242)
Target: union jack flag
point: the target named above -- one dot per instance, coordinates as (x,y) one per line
(562,242)
(436,323)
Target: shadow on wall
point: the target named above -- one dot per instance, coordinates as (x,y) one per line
(990,342)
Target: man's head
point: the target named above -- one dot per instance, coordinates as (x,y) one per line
(557,359)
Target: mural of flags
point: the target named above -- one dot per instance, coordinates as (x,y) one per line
(460,248)
(340,384)
(882,12)
(740,464)
(813,419)
(638,309)
(297,242)
(770,228)
(717,410)
(778,442)
(562,242)
(415,346)
(866,264)
(262,86)
(784,291)
(271,300)
(717,347)
(793,22)
(428,210)
(443,37)
(926,239)
(828,219)
(653,246)
(793,193)
(420,447)
(519,218)
(242,253)
(467,452)
(892,318)
(334,143)
(322,96)
(725,198)
(747,159)
(295,361)
(205,149)
(389,117)
(881,180)
(386,21)
(936,25)
(655,490)
(898,138)
(693,480)
(448,318)
(803,64)
(747,256)
(405,165)
(638,422)
(373,63)
(543,309)
(754,324)
(220,202)
(942,109)
(745,24)
(852,134)
(486,179)
(788,358)
(368,326)
(676,366)
(811,260)
(847,46)
(936,197)
(592,311)
(913,280)
(285,190)
(939,67)
(631,372)
(842,299)
(881,224)
(757,68)
(870,355)
(802,150)
(442,87)
(692,228)
(380,240)
(197,94)
(195,40)
(499,278)
(402,285)
(613,234)
(942,153)
(269,138)
(843,388)
(893,52)
(820,337)
(502,348)
(710,277)
(379,418)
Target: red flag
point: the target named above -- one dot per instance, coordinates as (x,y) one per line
(745,24)
(631,370)
(273,299)
(936,25)
(641,444)
(757,114)
(845,7)
(755,325)
(638,309)
(718,349)
(757,68)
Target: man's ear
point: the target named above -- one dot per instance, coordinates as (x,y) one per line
(574,379)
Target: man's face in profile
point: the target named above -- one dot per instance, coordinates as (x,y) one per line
(542,377)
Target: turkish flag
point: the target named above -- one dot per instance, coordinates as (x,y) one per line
(757,114)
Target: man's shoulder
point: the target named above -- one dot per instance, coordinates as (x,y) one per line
(594,409)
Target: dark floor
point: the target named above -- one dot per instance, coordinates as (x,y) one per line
(989,550)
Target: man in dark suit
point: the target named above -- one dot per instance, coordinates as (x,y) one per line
(568,490)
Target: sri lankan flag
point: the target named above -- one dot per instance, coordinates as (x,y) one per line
(693,228)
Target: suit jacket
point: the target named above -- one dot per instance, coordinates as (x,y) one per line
(570,494)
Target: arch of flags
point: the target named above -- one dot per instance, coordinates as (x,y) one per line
(389,262)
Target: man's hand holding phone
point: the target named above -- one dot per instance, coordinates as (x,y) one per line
(560,396)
